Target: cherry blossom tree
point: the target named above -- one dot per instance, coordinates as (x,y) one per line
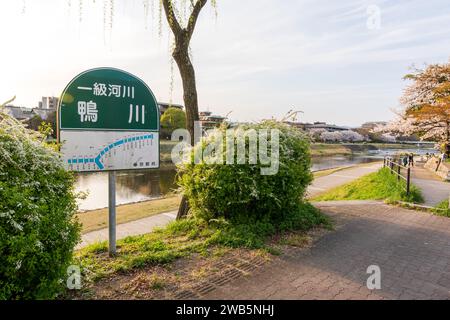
(351,136)
(333,136)
(425,106)
(341,136)
(315,134)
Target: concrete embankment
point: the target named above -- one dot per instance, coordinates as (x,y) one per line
(439,168)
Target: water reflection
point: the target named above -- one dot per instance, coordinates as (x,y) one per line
(135,186)
(132,186)
(329,162)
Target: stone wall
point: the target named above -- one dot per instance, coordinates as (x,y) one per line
(443,171)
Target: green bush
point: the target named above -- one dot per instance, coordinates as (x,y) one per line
(37,206)
(240,193)
(171,120)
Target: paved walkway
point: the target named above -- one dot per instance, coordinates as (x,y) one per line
(133,228)
(434,190)
(411,248)
(145,225)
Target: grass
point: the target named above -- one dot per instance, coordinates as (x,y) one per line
(191,236)
(98,219)
(443,209)
(381,185)
(295,240)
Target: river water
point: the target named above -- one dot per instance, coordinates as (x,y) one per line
(135,186)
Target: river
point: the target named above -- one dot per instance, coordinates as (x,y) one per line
(135,186)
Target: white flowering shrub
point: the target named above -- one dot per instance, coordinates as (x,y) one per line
(37,206)
(240,193)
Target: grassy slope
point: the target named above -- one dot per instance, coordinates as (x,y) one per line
(380,185)
(443,205)
(98,219)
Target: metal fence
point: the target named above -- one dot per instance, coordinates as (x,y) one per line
(402,172)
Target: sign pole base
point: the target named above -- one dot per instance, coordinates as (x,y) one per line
(112,212)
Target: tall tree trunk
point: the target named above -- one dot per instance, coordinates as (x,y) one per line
(187,73)
(181,55)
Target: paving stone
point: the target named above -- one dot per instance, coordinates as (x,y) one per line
(414,264)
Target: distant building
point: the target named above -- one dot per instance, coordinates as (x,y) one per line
(210,121)
(20,113)
(164,106)
(46,106)
(373,125)
(317,125)
(325,126)
(49,103)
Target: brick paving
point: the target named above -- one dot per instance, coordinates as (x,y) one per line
(411,248)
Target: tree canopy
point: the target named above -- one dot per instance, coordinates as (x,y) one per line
(171,120)
(426,105)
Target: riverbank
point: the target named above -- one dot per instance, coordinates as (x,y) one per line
(329,149)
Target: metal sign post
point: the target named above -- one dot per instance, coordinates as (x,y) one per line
(112,211)
(108,120)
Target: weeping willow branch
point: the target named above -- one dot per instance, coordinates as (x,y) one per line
(7,102)
(194,16)
(171,18)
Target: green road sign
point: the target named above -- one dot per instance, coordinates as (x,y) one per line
(108,99)
(108,119)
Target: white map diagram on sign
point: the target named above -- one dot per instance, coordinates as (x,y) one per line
(109,150)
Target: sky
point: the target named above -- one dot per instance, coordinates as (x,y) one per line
(337,61)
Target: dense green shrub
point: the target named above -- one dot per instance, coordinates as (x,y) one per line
(171,120)
(240,193)
(37,206)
